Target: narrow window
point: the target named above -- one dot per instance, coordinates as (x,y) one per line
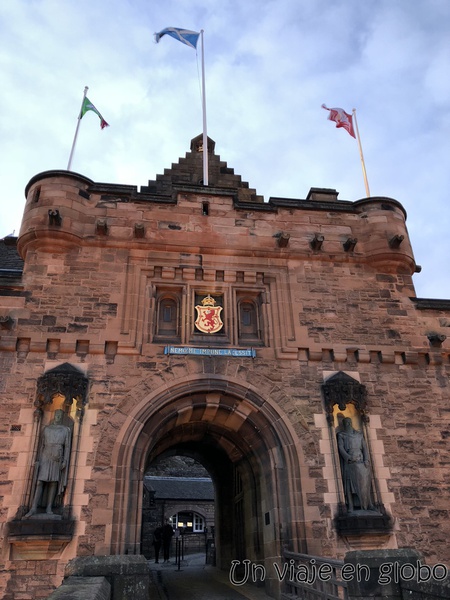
(167,312)
(247,314)
(36,193)
(249,321)
(167,319)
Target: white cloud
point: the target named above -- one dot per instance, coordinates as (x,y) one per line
(270,65)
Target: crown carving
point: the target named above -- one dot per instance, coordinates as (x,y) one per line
(208,301)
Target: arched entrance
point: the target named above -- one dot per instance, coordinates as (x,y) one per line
(249,448)
(180,489)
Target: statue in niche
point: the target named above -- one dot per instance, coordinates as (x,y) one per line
(52,465)
(355,467)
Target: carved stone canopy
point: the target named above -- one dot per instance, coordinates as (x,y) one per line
(341,389)
(65,380)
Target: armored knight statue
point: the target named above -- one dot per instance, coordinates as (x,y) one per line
(52,464)
(355,467)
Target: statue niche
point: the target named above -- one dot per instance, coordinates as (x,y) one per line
(345,403)
(44,518)
(60,401)
(361,515)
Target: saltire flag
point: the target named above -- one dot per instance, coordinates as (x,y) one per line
(341,118)
(190,38)
(87,105)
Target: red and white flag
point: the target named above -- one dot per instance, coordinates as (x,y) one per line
(341,118)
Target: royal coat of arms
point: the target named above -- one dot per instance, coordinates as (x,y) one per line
(208,316)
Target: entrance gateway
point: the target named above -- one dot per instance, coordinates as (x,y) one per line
(243,442)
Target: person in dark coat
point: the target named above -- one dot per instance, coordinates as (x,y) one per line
(157,541)
(167,533)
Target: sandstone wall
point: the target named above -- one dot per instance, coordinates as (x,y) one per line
(88,297)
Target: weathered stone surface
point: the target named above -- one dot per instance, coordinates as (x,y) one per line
(115,565)
(377,572)
(129,576)
(83,588)
(427,590)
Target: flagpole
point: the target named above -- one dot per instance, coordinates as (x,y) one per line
(76,130)
(205,135)
(366,183)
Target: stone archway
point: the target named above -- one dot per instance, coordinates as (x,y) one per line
(237,435)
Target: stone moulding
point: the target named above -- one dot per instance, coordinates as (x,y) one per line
(39,539)
(364,528)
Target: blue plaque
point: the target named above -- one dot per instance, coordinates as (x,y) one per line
(184,350)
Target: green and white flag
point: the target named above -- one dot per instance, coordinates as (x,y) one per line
(87,105)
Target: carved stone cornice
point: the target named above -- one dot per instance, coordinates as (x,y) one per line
(65,380)
(341,389)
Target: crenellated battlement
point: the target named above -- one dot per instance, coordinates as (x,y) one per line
(67,210)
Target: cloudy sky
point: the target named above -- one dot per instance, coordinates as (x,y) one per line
(270,64)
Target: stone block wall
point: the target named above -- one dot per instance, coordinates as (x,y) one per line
(89,298)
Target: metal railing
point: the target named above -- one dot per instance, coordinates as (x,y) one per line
(309,577)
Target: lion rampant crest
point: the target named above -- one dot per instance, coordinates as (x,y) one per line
(208,316)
